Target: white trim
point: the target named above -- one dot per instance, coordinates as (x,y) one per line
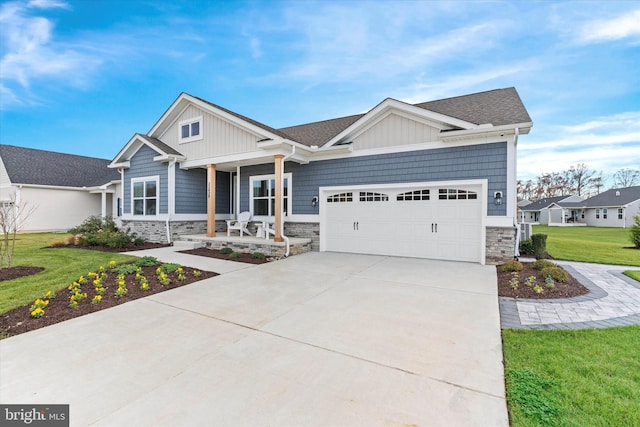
(511,199)
(54,187)
(189,122)
(155,178)
(176,217)
(171,190)
(268,177)
(389,105)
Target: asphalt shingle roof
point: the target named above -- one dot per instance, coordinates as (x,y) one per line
(160,145)
(614,197)
(40,167)
(498,107)
(543,203)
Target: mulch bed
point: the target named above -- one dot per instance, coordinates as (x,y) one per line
(215,253)
(128,248)
(10,273)
(572,288)
(19,320)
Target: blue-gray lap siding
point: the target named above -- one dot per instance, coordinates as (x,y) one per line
(191,191)
(486,161)
(142,165)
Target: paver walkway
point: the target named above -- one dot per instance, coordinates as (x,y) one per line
(613,300)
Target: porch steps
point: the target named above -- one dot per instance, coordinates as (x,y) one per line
(248,244)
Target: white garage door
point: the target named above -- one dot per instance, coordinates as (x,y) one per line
(439,222)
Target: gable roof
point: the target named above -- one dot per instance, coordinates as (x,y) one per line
(497,107)
(40,167)
(614,197)
(543,203)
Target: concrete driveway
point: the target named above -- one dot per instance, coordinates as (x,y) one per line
(316,339)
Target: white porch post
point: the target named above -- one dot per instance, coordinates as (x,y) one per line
(103,211)
(211,200)
(238,190)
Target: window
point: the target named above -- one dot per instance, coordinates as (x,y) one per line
(190,130)
(144,195)
(340,198)
(597,213)
(414,195)
(368,196)
(620,213)
(263,194)
(604,213)
(453,194)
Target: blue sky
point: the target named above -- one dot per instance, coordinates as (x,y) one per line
(83,76)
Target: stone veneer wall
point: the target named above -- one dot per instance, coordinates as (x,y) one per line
(500,244)
(156,231)
(306,230)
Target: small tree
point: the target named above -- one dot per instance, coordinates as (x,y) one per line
(12,217)
(634,231)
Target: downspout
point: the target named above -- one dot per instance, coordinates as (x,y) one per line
(171,164)
(516,249)
(285,238)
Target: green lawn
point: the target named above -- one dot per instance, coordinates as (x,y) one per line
(589,377)
(62,267)
(634,274)
(602,245)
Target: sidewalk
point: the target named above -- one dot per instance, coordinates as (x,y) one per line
(613,300)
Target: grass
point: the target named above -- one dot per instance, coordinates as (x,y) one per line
(634,274)
(62,266)
(602,245)
(588,377)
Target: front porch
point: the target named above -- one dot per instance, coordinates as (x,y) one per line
(250,244)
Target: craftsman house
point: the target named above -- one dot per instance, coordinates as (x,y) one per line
(60,190)
(434,180)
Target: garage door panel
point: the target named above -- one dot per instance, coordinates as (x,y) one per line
(409,225)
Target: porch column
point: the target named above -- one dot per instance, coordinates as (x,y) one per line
(278,225)
(103,210)
(211,200)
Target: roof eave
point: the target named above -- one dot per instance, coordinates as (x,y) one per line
(487,130)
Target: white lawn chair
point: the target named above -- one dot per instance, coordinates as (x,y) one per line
(239,224)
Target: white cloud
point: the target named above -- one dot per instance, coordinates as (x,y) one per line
(620,27)
(605,144)
(30,52)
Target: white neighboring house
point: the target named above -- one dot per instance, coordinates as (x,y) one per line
(613,208)
(63,189)
(553,210)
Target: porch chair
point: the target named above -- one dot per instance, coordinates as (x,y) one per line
(239,224)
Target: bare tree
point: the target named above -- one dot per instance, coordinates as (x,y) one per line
(12,218)
(626,178)
(580,179)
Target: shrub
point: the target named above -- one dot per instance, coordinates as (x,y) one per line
(147,261)
(556,273)
(125,269)
(235,255)
(634,231)
(539,245)
(526,247)
(259,255)
(226,250)
(542,263)
(138,241)
(169,267)
(512,265)
(94,224)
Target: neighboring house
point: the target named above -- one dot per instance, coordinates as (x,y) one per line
(613,208)
(552,210)
(62,189)
(434,180)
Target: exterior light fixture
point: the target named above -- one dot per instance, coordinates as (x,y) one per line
(314,201)
(497,197)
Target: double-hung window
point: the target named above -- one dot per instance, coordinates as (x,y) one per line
(144,195)
(620,213)
(190,130)
(263,195)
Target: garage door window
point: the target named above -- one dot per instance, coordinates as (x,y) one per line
(340,198)
(413,195)
(368,196)
(456,194)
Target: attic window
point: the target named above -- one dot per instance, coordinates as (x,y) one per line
(190,130)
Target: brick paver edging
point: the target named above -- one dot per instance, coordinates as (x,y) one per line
(510,319)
